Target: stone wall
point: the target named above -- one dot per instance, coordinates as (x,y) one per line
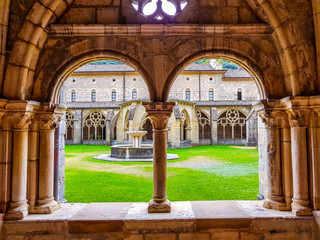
(104,83)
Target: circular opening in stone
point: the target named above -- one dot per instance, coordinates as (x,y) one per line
(159,9)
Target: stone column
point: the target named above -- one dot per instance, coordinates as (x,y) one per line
(275,198)
(298,120)
(19,123)
(33,161)
(45,202)
(108,133)
(286,165)
(315,158)
(159,114)
(5,163)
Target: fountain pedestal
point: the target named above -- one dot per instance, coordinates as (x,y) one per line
(137,137)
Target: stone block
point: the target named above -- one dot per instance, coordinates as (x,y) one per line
(108,15)
(15,237)
(251,236)
(194,236)
(160,236)
(225,236)
(80,15)
(31,227)
(134,237)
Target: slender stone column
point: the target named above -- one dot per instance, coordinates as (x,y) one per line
(19,123)
(159,114)
(275,198)
(315,158)
(33,161)
(298,121)
(286,165)
(45,202)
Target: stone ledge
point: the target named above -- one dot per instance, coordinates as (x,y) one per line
(132,221)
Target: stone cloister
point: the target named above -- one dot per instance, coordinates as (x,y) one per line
(277,42)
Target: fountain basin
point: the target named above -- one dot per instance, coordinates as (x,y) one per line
(128,151)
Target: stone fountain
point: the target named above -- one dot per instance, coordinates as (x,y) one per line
(136,152)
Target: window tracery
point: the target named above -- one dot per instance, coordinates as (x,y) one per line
(204,125)
(69,125)
(159,9)
(184,127)
(94,127)
(231,125)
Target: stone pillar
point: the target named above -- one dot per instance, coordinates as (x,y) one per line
(286,165)
(108,133)
(33,161)
(77,127)
(315,158)
(19,123)
(214,132)
(159,114)
(298,120)
(5,163)
(274,198)
(45,202)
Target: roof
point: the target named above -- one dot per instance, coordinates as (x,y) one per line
(236,73)
(229,73)
(93,105)
(224,103)
(105,68)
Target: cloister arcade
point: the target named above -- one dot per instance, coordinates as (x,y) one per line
(277,42)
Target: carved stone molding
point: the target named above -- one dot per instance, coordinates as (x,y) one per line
(274,119)
(298,118)
(159,113)
(16,120)
(316,118)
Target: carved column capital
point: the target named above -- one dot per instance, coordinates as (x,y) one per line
(159,113)
(48,121)
(274,119)
(298,118)
(315,117)
(17,120)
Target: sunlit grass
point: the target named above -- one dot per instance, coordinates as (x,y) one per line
(233,174)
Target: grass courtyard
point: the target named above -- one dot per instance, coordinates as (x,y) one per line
(201,173)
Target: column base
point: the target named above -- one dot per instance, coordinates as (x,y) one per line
(276,204)
(301,208)
(155,207)
(17,211)
(45,207)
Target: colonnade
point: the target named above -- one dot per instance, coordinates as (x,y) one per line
(289,146)
(291,152)
(27,158)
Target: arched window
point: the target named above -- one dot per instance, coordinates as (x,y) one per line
(204,126)
(232,125)
(93,96)
(69,126)
(94,127)
(211,94)
(114,96)
(134,94)
(188,97)
(239,94)
(73,96)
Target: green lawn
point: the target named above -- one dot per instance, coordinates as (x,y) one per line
(201,173)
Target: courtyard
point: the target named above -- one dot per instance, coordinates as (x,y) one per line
(202,173)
